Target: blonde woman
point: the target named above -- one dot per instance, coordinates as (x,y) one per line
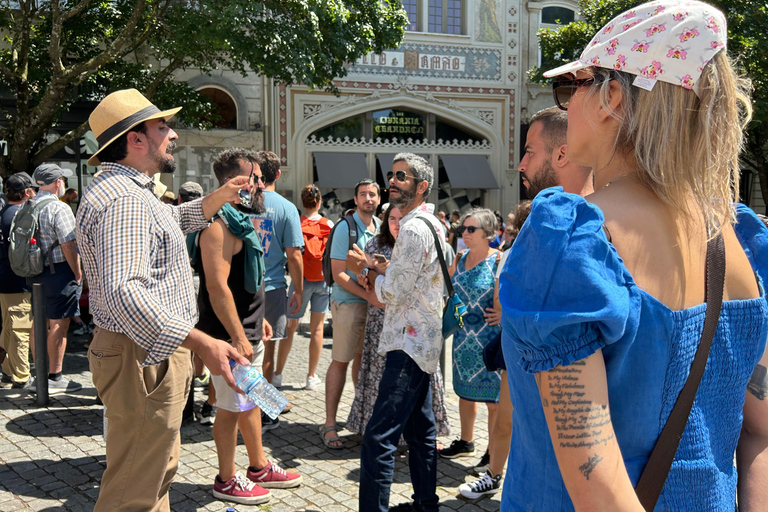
(603,297)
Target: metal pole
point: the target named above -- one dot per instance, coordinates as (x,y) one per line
(41,344)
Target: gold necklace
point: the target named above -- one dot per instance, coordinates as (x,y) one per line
(618,178)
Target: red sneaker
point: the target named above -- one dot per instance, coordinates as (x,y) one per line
(240,490)
(274,476)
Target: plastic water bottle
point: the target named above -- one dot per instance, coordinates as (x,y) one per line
(261,392)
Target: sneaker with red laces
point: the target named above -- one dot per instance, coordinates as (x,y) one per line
(273,476)
(240,490)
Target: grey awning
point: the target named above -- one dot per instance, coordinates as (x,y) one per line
(469,171)
(340,170)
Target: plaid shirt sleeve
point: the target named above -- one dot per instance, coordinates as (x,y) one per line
(190,216)
(64,224)
(123,242)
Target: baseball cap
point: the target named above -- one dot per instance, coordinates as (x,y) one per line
(190,190)
(45,174)
(664,40)
(20,181)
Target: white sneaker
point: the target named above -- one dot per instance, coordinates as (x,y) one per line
(486,485)
(313,382)
(277,380)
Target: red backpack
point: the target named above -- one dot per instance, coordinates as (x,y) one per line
(316,233)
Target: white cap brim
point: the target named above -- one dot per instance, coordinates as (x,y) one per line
(571,67)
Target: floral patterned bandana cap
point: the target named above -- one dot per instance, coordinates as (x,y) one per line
(665,40)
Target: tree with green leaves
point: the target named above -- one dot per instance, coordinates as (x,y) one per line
(57,53)
(747,43)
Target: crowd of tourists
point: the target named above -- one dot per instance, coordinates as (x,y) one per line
(621,362)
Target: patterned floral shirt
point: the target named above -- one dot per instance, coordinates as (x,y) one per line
(412,290)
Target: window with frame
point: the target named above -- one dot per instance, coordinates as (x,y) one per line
(436,16)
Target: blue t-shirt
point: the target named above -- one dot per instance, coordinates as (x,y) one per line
(339,248)
(9,282)
(565,293)
(279,227)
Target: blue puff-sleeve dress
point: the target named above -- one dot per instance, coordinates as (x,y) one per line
(565,293)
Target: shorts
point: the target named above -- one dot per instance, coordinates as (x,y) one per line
(225,396)
(348,329)
(275,309)
(62,293)
(316,291)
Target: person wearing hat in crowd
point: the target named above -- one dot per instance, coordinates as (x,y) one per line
(168,197)
(15,296)
(189,191)
(604,297)
(142,299)
(62,281)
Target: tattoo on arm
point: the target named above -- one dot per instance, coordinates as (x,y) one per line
(588,466)
(758,384)
(579,422)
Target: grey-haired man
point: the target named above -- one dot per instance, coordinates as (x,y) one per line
(411,287)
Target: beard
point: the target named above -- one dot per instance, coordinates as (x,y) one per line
(257,204)
(165,163)
(545,178)
(405,198)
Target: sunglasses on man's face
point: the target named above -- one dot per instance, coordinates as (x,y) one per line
(469,229)
(400,175)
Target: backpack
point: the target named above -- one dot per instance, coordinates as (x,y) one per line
(315,233)
(26,258)
(327,271)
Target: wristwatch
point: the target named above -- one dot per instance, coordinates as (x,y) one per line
(364,272)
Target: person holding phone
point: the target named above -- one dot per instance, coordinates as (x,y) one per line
(372,363)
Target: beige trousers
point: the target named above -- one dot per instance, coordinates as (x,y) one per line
(143,408)
(17,325)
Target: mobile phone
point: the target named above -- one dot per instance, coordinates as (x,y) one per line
(380,258)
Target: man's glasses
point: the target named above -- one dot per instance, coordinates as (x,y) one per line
(468,229)
(400,175)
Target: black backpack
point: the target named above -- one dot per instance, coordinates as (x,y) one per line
(327,271)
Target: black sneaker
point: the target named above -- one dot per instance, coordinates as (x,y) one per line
(458,448)
(268,423)
(207,414)
(486,485)
(482,466)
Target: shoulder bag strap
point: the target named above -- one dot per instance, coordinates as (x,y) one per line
(654,475)
(439,247)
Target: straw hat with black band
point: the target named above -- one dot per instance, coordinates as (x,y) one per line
(118,113)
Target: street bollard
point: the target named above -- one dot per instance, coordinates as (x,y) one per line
(41,344)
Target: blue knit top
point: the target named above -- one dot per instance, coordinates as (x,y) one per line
(566,293)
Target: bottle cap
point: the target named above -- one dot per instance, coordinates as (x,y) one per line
(232,364)
(32,241)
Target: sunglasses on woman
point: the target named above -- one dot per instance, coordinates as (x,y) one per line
(564,87)
(468,229)
(400,175)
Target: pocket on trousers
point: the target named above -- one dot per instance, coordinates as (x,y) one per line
(106,366)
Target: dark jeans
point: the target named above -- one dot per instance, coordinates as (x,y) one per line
(404,406)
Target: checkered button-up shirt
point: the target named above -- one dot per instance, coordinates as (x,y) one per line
(135,259)
(56,222)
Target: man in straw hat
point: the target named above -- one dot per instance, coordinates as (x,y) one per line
(142,299)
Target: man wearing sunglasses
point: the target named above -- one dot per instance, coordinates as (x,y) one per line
(411,287)
(545,163)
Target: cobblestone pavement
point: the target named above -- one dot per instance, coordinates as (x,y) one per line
(53,457)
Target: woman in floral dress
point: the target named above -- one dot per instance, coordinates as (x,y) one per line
(372,363)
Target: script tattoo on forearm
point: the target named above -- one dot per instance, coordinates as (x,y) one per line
(579,422)
(758,384)
(588,466)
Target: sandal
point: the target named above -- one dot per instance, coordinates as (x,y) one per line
(327,442)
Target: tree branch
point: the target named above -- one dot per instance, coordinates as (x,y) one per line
(54,48)
(76,10)
(46,152)
(162,75)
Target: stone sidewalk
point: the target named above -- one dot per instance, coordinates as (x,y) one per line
(53,457)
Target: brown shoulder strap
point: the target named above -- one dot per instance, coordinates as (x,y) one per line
(654,475)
